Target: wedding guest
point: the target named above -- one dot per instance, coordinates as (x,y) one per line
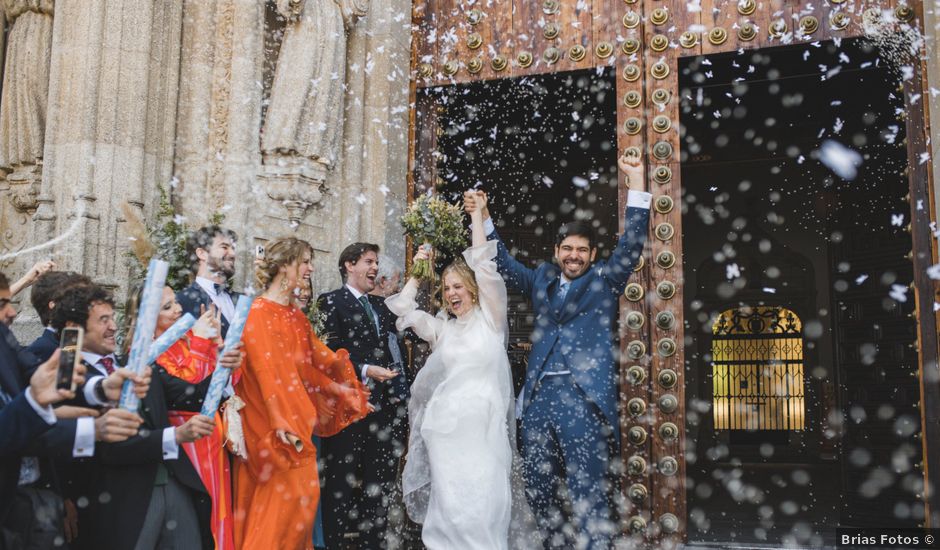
(42,298)
(193,359)
(387,278)
(293,387)
(155,497)
(26,470)
(361,462)
(212,251)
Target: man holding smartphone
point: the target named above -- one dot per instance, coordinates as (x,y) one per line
(66,435)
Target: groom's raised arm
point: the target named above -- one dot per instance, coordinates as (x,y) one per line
(636,222)
(517,276)
(630,245)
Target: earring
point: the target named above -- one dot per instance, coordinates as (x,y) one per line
(284,284)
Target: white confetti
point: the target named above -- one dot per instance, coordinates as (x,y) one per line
(840,159)
(898,293)
(837,127)
(732,271)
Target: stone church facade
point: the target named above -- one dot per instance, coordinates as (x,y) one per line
(288,117)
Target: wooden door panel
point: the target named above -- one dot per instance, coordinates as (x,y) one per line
(509,28)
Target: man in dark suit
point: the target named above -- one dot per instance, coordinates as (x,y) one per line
(29,414)
(42,298)
(569,400)
(361,462)
(212,253)
(156,498)
(66,435)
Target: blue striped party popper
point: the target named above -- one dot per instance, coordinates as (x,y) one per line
(170,337)
(221,375)
(143,328)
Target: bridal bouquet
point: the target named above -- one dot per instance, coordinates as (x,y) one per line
(432,220)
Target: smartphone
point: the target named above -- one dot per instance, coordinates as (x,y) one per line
(259,252)
(70,343)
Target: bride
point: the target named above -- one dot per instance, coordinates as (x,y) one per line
(460,480)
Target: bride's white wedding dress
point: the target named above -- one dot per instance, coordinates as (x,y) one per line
(460,479)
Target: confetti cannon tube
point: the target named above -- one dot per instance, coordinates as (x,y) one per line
(143,329)
(170,337)
(221,375)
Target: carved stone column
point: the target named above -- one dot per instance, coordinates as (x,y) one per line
(218,128)
(220,166)
(371,179)
(25,61)
(110,127)
(219,124)
(23,101)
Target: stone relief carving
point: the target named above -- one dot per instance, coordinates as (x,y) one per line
(304,121)
(23,102)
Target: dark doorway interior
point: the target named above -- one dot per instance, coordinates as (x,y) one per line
(544,150)
(803,415)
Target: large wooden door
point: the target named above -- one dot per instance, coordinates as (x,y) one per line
(461,41)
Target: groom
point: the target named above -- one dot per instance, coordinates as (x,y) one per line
(568,404)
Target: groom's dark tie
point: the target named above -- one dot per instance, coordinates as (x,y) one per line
(364,300)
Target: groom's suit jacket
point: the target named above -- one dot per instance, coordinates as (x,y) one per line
(585,326)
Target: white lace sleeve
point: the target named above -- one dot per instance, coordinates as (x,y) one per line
(493,297)
(404,306)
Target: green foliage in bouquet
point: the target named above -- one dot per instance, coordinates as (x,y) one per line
(432,220)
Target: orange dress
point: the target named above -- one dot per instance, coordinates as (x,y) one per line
(193,361)
(292,382)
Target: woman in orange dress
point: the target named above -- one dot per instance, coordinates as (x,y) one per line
(293,387)
(193,358)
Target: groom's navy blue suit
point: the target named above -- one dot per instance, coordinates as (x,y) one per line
(569,400)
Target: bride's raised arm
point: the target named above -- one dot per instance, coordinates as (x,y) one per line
(481,257)
(405,307)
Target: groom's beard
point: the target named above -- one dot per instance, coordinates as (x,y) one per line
(220,266)
(581,267)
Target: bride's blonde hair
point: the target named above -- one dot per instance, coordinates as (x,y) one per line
(460,268)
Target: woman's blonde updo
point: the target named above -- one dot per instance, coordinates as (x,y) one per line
(279,253)
(462,270)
